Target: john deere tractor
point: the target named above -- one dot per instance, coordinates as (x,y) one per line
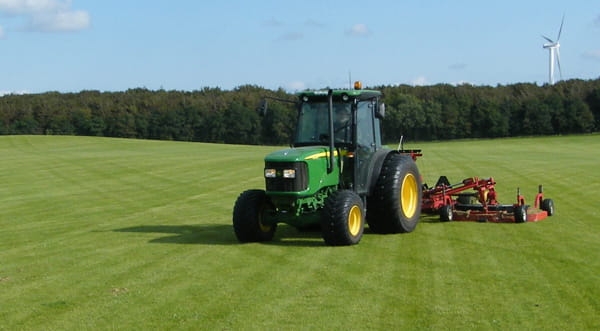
(335,176)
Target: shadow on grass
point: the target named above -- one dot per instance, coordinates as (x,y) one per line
(209,234)
(430,218)
(289,236)
(221,234)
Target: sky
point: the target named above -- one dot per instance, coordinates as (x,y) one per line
(108,45)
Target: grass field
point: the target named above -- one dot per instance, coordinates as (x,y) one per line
(100,234)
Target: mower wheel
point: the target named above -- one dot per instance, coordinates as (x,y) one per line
(395,203)
(548,206)
(520,214)
(248,216)
(342,219)
(446,213)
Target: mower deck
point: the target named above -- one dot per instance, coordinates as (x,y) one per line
(481,205)
(494,214)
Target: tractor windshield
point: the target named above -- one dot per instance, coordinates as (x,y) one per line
(313,124)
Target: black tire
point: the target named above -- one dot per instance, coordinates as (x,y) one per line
(446,213)
(466,198)
(247,217)
(548,206)
(395,203)
(520,214)
(342,219)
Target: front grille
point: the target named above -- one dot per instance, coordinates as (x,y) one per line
(280,184)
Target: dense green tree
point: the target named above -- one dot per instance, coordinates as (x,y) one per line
(437,112)
(593,101)
(580,118)
(278,124)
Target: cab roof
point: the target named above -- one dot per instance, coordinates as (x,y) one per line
(338,94)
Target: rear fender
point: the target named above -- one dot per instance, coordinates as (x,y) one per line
(375,168)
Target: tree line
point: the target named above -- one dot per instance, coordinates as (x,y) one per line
(438,112)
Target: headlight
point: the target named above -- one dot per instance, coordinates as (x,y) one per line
(289,173)
(270,173)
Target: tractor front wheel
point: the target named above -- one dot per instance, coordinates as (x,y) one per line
(248,215)
(342,219)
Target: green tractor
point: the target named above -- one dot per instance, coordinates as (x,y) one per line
(336,175)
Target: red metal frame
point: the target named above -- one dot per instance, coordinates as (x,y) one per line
(414,153)
(487,208)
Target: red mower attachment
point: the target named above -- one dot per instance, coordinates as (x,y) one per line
(452,203)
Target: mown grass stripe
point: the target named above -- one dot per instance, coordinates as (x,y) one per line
(99,233)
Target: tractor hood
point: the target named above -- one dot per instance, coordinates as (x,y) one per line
(301,171)
(298,154)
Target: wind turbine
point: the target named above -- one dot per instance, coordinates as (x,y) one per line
(554,50)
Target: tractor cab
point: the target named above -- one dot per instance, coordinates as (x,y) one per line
(350,125)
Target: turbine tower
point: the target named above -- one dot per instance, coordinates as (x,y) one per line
(554,51)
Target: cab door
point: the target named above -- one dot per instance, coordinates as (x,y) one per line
(366,141)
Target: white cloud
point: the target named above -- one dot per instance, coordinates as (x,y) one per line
(593,54)
(22,7)
(290,36)
(273,22)
(463,82)
(358,30)
(47,15)
(314,23)
(62,21)
(458,66)
(419,81)
(3,93)
(296,86)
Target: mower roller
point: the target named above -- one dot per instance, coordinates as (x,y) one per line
(453,203)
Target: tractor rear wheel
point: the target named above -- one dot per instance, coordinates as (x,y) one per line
(342,219)
(395,203)
(248,217)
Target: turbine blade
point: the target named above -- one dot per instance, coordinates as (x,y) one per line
(561,26)
(549,40)
(558,62)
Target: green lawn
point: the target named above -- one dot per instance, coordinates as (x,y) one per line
(99,233)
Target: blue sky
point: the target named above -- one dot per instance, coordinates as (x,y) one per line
(108,45)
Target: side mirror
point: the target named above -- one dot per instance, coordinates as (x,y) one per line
(380,113)
(262,107)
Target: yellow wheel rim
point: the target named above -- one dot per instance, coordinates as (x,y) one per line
(354,220)
(409,195)
(263,228)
